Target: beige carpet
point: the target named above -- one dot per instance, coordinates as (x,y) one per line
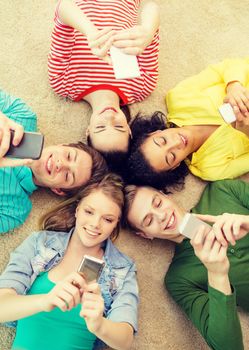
(194,33)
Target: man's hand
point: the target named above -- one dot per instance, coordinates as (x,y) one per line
(211,253)
(228,228)
(132,41)
(6,125)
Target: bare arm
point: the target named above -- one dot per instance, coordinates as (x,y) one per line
(99,40)
(116,334)
(15,307)
(134,40)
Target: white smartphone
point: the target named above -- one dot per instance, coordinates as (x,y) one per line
(91,268)
(227,113)
(190,225)
(125,66)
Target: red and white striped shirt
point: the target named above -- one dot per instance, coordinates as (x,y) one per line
(74,71)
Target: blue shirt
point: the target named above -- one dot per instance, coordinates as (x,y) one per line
(16,184)
(43,250)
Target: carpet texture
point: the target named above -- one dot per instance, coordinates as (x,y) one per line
(194,33)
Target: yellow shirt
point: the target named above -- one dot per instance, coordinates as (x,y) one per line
(195,101)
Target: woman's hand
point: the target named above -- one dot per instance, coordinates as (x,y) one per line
(6,125)
(212,254)
(238,97)
(65,295)
(134,40)
(100,42)
(92,307)
(228,227)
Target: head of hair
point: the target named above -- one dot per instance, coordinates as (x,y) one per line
(99,167)
(140,172)
(62,217)
(115,159)
(130,192)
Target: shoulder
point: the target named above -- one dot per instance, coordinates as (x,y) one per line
(116,258)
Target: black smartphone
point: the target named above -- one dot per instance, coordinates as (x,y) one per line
(91,268)
(190,225)
(30,146)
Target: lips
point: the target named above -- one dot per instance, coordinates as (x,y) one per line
(49,165)
(171,222)
(184,140)
(92,233)
(109,109)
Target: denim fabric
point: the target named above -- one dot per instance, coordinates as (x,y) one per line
(42,250)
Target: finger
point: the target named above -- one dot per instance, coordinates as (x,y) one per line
(126,34)
(236,228)
(93,288)
(198,239)
(208,218)
(209,241)
(74,291)
(18,133)
(215,250)
(67,297)
(60,303)
(217,230)
(76,278)
(135,51)
(102,39)
(5,142)
(228,231)
(9,162)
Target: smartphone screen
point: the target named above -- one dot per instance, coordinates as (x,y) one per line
(125,66)
(30,146)
(91,268)
(190,225)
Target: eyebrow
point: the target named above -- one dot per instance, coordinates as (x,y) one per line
(104,128)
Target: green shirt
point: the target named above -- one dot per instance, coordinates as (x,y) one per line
(213,313)
(16,184)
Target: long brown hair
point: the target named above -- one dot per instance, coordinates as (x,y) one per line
(62,217)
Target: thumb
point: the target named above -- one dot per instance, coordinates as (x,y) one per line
(9,162)
(208,218)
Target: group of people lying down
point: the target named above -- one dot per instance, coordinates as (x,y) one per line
(122,177)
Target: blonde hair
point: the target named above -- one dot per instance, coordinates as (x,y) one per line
(62,217)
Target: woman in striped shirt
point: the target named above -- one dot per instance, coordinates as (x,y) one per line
(80,68)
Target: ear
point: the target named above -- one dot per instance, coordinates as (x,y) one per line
(58,191)
(142,234)
(87,131)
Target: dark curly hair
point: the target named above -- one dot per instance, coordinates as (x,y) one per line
(116,160)
(139,170)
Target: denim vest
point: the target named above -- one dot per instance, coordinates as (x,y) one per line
(43,250)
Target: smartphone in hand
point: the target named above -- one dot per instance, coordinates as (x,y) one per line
(91,268)
(125,66)
(227,113)
(30,146)
(190,225)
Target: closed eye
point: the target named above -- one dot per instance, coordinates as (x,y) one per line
(160,141)
(170,159)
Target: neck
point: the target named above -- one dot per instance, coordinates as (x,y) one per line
(101,99)
(201,134)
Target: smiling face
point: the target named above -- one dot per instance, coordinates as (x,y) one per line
(96,218)
(165,149)
(109,130)
(62,167)
(155,215)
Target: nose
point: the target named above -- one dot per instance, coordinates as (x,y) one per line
(175,143)
(160,214)
(110,116)
(95,221)
(61,165)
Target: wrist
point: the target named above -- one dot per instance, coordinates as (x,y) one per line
(220,281)
(100,330)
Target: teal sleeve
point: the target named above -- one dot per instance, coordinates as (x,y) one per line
(15,109)
(213,313)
